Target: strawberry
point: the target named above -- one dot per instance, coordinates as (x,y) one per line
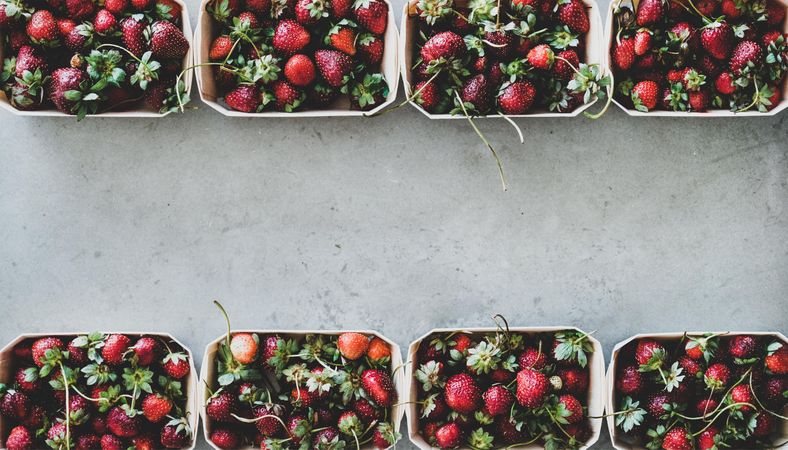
(378,349)
(342,38)
(746,52)
(352,346)
(115,347)
(717,38)
(531,358)
(122,424)
(80,9)
(155,407)
(79,410)
(677,438)
(290,37)
(384,436)
(706,440)
(572,405)
(341,8)
(707,7)
(29,59)
(244,346)
(323,438)
(729,9)
(572,13)
(14,404)
(574,380)
(142,5)
(770,37)
(378,386)
(642,42)
(116,7)
(717,376)
(334,66)
(167,41)
(309,12)
(220,48)
(111,442)
(690,366)
(302,398)
(624,53)
(144,442)
(225,438)
(40,347)
(370,48)
(699,100)
(299,70)
(19,439)
(646,348)
(541,56)
(476,91)
(365,410)
(42,28)
(498,400)
(517,98)
(169,10)
(259,7)
(773,390)
(104,22)
(763,425)
(741,394)
(446,45)
(499,43)
(706,406)
(776,360)
(221,406)
(27,379)
(775,13)
(176,365)
(174,436)
(147,350)
(133,35)
(426,95)
(267,423)
(564,63)
(372,15)
(288,97)
(532,388)
(742,346)
(650,12)
(448,436)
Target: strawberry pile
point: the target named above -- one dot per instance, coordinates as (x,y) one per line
(696,55)
(291,55)
(316,391)
(504,389)
(503,57)
(97,391)
(702,392)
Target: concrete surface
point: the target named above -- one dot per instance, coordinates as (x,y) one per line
(396,223)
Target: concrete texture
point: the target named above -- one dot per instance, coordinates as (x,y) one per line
(396,223)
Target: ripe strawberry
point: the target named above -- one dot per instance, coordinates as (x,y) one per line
(270,346)
(729,9)
(476,91)
(629,381)
(572,13)
(532,387)
(777,360)
(763,425)
(142,5)
(642,42)
(650,12)
(40,347)
(655,404)
(268,426)
(541,56)
(155,407)
(366,412)
(143,442)
(167,41)
(334,66)
(717,376)
(517,98)
(691,367)
(624,53)
(717,39)
(173,437)
(378,386)
(372,15)
(448,436)
(564,62)
(111,442)
(699,100)
(290,37)
(341,8)
(447,45)
(115,346)
(244,346)
(14,404)
(116,7)
(571,404)
(706,440)
(324,437)
(370,48)
(770,37)
(646,348)
(745,52)
(775,13)
(147,350)
(79,410)
(497,400)
(741,394)
(309,12)
(574,380)
(29,59)
(42,28)
(302,398)
(706,406)
(80,9)
(220,48)
(121,424)
(352,346)
(259,7)
(426,95)
(343,38)
(646,62)
(500,43)
(133,35)
(742,346)
(378,349)
(677,438)
(19,439)
(288,97)
(773,390)
(220,406)
(225,438)
(176,365)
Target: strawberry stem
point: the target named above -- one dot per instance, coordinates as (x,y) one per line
(758,401)
(481,136)
(226,318)
(516,127)
(407,100)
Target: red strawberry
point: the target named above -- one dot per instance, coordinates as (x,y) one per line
(517,98)
(290,37)
(104,22)
(717,39)
(115,346)
(259,7)
(707,7)
(220,407)
(646,348)
(343,38)
(121,424)
(497,400)
(270,346)
(777,360)
(111,442)
(508,431)
(572,13)
(770,37)
(741,394)
(155,407)
(80,9)
(65,26)
(532,387)
(352,346)
(564,62)
(143,442)
(690,366)
(225,438)
(268,426)
(147,350)
(742,346)
(426,95)
(372,15)
(706,439)
(14,404)
(729,9)
(574,380)
(300,71)
(19,439)
(176,365)
(116,7)
(571,404)
(624,53)
(42,28)
(334,66)
(447,45)
(744,53)
(27,378)
(370,49)
(341,8)
(29,59)
(448,436)
(173,436)
(366,412)
(142,5)
(288,97)
(677,438)
(629,381)
(646,62)
(133,35)
(378,386)
(717,376)
(40,347)
(499,43)
(309,12)
(763,425)
(650,11)
(706,406)
(699,100)
(220,48)
(476,91)
(773,390)
(541,56)
(642,42)
(167,41)
(775,13)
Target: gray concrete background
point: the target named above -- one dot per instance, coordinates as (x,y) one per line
(398,224)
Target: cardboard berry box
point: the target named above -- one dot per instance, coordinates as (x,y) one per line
(593,50)
(209,382)
(8,362)
(187,79)
(595,399)
(617,437)
(206,31)
(610,40)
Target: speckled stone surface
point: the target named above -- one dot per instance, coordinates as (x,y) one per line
(397,224)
